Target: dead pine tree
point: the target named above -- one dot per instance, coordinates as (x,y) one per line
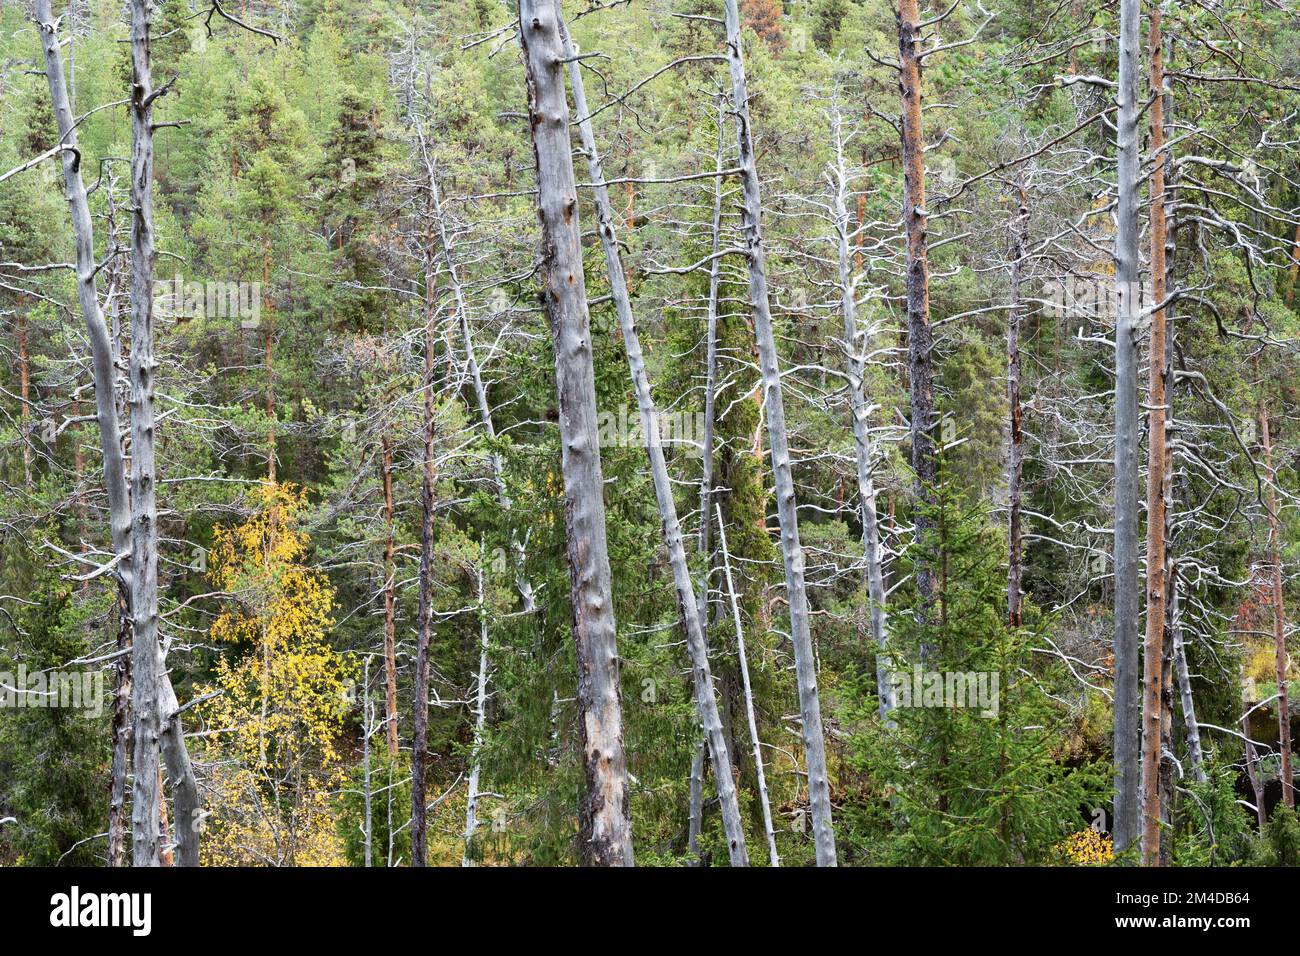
(1153,656)
(1125,826)
(605,817)
(706,701)
(787,509)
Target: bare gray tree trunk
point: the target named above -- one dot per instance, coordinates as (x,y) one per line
(146,695)
(1015,460)
(696,822)
(420,716)
(706,465)
(121,737)
(366,717)
(480,712)
(787,510)
(605,814)
(768,829)
(706,702)
(121,519)
(1252,773)
(1128,727)
(864,448)
(711,369)
(484,408)
(1195,752)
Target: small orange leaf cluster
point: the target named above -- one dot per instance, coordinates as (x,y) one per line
(1088,847)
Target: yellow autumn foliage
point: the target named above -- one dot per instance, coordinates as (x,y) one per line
(1088,848)
(282,694)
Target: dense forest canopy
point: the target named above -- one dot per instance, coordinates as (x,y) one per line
(681,432)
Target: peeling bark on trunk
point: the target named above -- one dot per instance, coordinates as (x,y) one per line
(706,701)
(787,510)
(605,815)
(1127,703)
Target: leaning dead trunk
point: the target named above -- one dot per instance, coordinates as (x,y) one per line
(768,829)
(863,447)
(420,716)
(706,461)
(706,702)
(1126,699)
(605,815)
(787,510)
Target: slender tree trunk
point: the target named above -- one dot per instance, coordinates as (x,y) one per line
(864,448)
(605,813)
(1252,773)
(711,371)
(24,393)
(1294,270)
(920,339)
(706,468)
(420,717)
(787,510)
(120,733)
(706,702)
(522,583)
(1127,703)
(268,358)
(1279,616)
(390,600)
(368,831)
(1195,753)
(1015,460)
(1153,657)
(696,822)
(768,829)
(480,712)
